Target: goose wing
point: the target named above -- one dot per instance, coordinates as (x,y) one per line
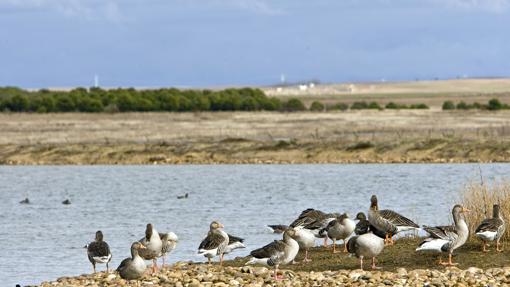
(273,250)
(397,219)
(446,232)
(212,241)
(309,218)
(489,224)
(233,239)
(123,264)
(98,249)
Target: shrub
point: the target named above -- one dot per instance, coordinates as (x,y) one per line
(448,105)
(375,106)
(392,105)
(293,105)
(463,106)
(337,107)
(494,105)
(359,105)
(419,106)
(317,106)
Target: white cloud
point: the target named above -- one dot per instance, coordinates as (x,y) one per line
(87,9)
(257,6)
(496,6)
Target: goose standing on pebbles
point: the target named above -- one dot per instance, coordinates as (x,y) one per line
(340,228)
(134,267)
(388,221)
(491,229)
(314,221)
(366,245)
(169,242)
(215,243)
(154,245)
(98,251)
(277,252)
(447,238)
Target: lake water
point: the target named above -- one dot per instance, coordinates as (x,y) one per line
(44,240)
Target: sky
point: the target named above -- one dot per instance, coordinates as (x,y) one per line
(211,43)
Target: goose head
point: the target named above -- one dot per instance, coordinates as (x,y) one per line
(215,225)
(458,212)
(361,216)
(99,235)
(289,233)
(148,231)
(373,203)
(135,247)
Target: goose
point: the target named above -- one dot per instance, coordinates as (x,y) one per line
(447,238)
(491,228)
(234,243)
(363,226)
(154,245)
(277,252)
(367,245)
(305,239)
(214,243)
(25,201)
(340,228)
(169,242)
(388,221)
(98,251)
(134,267)
(278,228)
(315,220)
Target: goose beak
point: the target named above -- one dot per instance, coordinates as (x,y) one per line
(465,210)
(222,226)
(142,246)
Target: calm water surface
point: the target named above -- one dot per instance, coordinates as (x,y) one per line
(44,240)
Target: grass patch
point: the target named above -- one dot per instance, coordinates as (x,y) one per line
(402,254)
(479,198)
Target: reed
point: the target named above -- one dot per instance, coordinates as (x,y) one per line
(479,198)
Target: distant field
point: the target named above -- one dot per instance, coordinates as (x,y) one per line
(432,93)
(252,137)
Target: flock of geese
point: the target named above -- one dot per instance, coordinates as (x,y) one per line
(365,239)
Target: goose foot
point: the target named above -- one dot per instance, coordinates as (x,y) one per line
(497,247)
(449,263)
(374,267)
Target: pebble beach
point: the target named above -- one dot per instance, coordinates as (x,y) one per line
(196,275)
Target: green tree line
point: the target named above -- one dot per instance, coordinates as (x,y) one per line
(131,100)
(492,105)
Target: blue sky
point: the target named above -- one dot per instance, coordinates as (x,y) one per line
(153,43)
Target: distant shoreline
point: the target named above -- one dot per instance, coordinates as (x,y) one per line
(405,136)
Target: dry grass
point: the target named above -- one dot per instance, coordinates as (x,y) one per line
(432,93)
(245,137)
(479,198)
